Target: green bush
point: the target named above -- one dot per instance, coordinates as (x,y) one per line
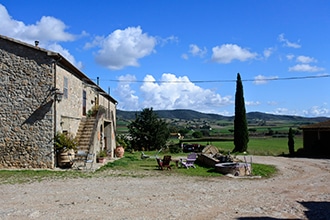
(65,141)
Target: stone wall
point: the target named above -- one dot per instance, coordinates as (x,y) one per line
(26,107)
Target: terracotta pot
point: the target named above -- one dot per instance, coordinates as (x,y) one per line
(119,151)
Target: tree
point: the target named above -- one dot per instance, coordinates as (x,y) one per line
(241,134)
(197,134)
(147,131)
(291,142)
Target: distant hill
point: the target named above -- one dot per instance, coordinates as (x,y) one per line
(185,114)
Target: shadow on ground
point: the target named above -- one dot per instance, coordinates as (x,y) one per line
(315,211)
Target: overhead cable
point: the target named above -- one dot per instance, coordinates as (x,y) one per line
(217,81)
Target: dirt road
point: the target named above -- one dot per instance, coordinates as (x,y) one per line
(301,190)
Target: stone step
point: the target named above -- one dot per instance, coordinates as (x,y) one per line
(84,133)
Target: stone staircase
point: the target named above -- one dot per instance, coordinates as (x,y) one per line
(84,133)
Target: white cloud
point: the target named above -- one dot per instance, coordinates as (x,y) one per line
(305,68)
(196,51)
(272,103)
(260,79)
(45,30)
(317,111)
(305,59)
(48,31)
(290,56)
(124,47)
(172,92)
(65,53)
(287,43)
(281,111)
(268,52)
(252,103)
(226,53)
(124,92)
(185,56)
(169,94)
(170,39)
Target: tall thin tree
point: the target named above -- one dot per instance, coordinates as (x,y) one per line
(241,134)
(291,142)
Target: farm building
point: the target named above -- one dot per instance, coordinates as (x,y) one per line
(316,138)
(42,94)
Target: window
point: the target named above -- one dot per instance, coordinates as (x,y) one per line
(65,87)
(84,102)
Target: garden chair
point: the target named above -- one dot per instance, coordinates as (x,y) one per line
(189,161)
(89,160)
(164,163)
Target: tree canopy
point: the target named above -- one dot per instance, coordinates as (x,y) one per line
(147,131)
(241,134)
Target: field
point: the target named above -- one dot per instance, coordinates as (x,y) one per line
(264,146)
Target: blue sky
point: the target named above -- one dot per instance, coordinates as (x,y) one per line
(186,54)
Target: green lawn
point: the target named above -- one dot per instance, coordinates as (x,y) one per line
(132,163)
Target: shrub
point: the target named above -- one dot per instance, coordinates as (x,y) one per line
(65,141)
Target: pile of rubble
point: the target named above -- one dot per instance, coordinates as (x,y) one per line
(225,164)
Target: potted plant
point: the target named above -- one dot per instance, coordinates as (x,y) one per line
(101,156)
(65,146)
(93,111)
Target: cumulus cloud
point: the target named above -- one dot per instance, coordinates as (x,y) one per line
(287,43)
(194,50)
(260,79)
(305,68)
(172,92)
(123,48)
(124,92)
(46,29)
(226,53)
(65,53)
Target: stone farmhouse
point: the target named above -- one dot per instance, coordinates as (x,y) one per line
(41,94)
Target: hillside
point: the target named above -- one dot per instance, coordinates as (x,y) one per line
(189,115)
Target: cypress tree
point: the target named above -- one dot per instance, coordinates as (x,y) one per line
(291,142)
(241,134)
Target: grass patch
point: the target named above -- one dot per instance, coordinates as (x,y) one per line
(263,170)
(130,165)
(132,162)
(27,176)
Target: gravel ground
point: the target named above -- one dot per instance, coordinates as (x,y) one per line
(300,191)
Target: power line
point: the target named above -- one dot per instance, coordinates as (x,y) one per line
(218,81)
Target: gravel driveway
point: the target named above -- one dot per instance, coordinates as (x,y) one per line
(301,190)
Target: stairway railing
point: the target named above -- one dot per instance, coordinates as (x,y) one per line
(100,112)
